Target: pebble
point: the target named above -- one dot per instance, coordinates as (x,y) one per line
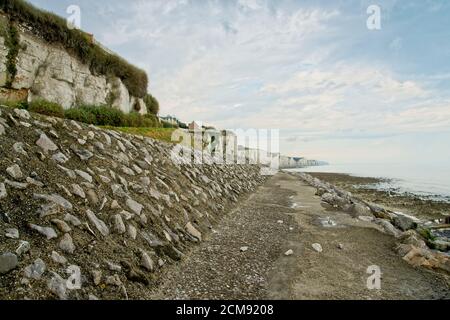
(8,262)
(244,249)
(340,246)
(288,253)
(2,130)
(35,270)
(317,247)
(46,231)
(280,221)
(66,244)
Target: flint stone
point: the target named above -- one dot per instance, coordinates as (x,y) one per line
(46,231)
(86,176)
(12,233)
(8,262)
(119,226)
(66,244)
(147,262)
(18,147)
(60,158)
(134,206)
(55,198)
(46,144)
(3,193)
(99,224)
(72,220)
(193,231)
(82,153)
(56,257)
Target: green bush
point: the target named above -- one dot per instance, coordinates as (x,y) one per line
(53,29)
(46,108)
(106,115)
(152,104)
(80,115)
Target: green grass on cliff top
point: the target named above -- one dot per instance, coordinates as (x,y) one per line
(163,134)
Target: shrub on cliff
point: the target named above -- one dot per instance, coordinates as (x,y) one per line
(46,108)
(105,115)
(152,104)
(80,115)
(53,29)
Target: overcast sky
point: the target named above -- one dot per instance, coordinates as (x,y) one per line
(339,91)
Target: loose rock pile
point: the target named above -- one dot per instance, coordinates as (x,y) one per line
(415,244)
(98,209)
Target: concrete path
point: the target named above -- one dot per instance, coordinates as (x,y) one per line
(244,258)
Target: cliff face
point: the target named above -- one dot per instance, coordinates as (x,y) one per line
(112,205)
(50,72)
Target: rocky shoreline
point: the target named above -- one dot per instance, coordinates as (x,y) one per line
(103,210)
(421,242)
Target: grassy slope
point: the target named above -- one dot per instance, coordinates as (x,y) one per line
(163,134)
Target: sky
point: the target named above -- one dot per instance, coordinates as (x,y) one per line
(337,90)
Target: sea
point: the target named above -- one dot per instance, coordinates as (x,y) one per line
(423,180)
